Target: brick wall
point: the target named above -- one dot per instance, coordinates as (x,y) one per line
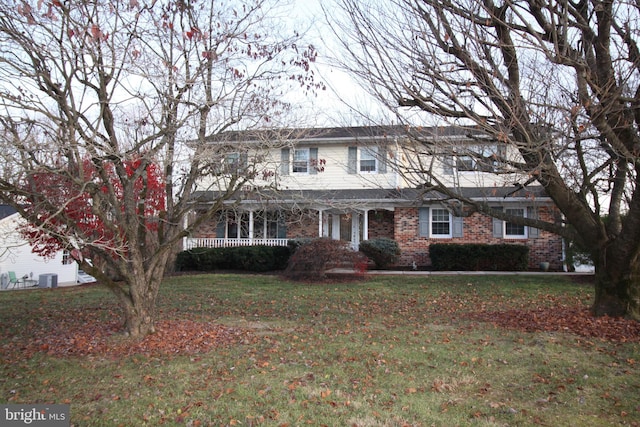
(381,224)
(206,229)
(478,228)
(303,225)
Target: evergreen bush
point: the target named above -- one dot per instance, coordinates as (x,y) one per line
(479,257)
(258,258)
(384,252)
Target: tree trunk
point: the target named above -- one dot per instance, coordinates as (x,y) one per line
(617,290)
(139,307)
(139,320)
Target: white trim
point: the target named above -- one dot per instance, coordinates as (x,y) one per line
(432,234)
(373,151)
(293,160)
(525,228)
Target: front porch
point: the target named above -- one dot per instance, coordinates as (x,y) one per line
(276,228)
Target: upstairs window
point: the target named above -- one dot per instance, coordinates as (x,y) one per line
(475,158)
(301,160)
(233,162)
(368,160)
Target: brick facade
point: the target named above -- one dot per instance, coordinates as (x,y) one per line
(402,225)
(477,228)
(381,224)
(303,225)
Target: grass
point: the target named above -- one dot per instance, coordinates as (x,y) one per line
(388,351)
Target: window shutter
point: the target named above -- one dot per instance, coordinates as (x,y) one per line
(313,161)
(352,160)
(221,226)
(382,159)
(423,222)
(532,213)
(284,161)
(244,162)
(458,226)
(282,227)
(497,226)
(447,165)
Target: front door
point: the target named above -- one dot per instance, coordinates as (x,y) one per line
(345,227)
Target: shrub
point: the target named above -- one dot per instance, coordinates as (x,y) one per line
(383,251)
(294,244)
(478,257)
(257,258)
(312,260)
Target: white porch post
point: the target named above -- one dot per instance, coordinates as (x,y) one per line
(185,224)
(251,226)
(365,225)
(320,223)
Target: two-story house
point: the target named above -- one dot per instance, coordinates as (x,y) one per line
(360,183)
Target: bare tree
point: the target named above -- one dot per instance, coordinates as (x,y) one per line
(556,80)
(103,100)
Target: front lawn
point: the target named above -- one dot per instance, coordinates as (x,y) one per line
(250,350)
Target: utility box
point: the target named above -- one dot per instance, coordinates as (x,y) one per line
(48,280)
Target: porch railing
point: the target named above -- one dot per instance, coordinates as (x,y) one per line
(208,242)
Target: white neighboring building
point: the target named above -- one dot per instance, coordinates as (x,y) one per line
(16,255)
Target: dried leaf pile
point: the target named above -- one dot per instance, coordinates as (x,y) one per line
(87,335)
(575,320)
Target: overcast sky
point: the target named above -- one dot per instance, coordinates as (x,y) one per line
(328,108)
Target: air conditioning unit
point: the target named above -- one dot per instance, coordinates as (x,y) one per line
(48,280)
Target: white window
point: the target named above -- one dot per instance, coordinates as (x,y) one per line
(365,160)
(437,222)
(301,160)
(232,161)
(515,231)
(66,257)
(368,163)
(480,158)
(440,223)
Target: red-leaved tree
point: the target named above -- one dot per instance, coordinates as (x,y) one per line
(148,192)
(104,112)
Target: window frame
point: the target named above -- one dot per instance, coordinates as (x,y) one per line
(506,224)
(480,159)
(432,221)
(371,156)
(232,161)
(425,228)
(296,163)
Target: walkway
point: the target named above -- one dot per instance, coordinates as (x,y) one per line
(460,273)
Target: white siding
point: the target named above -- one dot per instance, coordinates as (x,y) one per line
(335,176)
(16,255)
